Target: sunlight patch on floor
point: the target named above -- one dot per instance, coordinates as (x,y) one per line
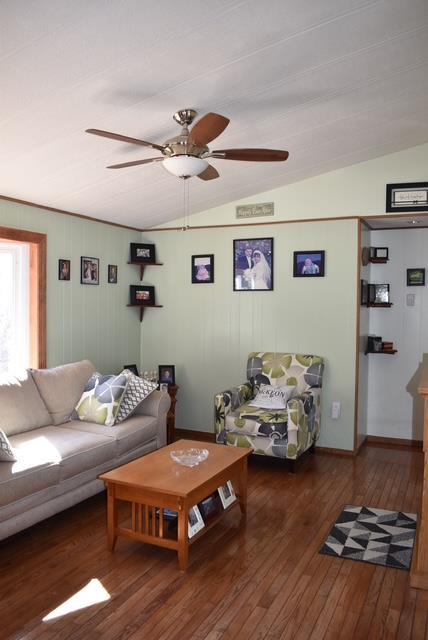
(93,593)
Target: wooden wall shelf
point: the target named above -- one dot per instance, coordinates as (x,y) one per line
(144,306)
(380,304)
(143,265)
(378,260)
(390,352)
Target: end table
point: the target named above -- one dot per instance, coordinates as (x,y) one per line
(170,418)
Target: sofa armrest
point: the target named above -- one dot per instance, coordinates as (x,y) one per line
(156,404)
(304,414)
(227,401)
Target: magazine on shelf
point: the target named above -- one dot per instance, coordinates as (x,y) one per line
(227,494)
(196,522)
(210,506)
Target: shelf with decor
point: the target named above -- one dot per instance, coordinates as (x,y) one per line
(388,351)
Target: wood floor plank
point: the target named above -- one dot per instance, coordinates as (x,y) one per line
(262,579)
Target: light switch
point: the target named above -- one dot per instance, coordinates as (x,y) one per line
(335,410)
(410,299)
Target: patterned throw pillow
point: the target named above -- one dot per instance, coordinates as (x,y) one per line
(270,397)
(6,451)
(101,399)
(137,390)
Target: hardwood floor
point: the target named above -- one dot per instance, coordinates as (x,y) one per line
(261,580)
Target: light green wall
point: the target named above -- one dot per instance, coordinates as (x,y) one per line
(84,321)
(208,330)
(358,190)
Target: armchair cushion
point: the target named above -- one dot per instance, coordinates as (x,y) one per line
(254,421)
(270,397)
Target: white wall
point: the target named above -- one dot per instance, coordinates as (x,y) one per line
(394,407)
(208,330)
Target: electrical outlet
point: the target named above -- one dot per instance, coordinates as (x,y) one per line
(335,410)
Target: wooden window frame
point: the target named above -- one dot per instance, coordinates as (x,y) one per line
(38,247)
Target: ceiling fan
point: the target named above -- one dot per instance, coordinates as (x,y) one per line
(186,155)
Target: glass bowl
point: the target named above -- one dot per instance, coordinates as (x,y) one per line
(189,457)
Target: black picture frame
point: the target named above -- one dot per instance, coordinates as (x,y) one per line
(210,506)
(416,277)
(132,367)
(309,264)
(166,374)
(203,268)
(364,293)
(247,274)
(142,295)
(379,294)
(406,197)
(64,269)
(379,253)
(89,270)
(143,253)
(112,274)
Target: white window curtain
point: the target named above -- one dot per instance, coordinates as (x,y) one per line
(14,307)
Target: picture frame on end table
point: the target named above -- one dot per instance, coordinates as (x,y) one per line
(132,367)
(166,374)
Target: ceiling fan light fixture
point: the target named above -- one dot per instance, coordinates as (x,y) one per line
(184,166)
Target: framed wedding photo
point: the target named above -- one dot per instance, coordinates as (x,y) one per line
(142,252)
(309,264)
(196,522)
(112,274)
(203,269)
(64,269)
(227,494)
(253,264)
(142,295)
(89,270)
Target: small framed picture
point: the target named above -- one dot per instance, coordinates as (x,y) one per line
(379,253)
(89,270)
(308,264)
(203,269)
(407,197)
(379,294)
(142,252)
(196,522)
(164,387)
(253,264)
(210,506)
(227,494)
(132,367)
(364,293)
(112,274)
(64,269)
(142,294)
(167,374)
(416,277)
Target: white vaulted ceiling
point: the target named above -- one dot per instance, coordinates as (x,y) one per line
(334,82)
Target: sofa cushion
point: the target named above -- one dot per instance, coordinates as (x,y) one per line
(73,451)
(128,435)
(137,390)
(22,407)
(6,451)
(101,399)
(61,387)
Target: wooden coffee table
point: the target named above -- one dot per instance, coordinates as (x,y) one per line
(155,482)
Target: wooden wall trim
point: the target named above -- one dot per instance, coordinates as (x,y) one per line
(402,442)
(249,224)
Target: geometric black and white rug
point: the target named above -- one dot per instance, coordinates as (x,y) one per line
(373,535)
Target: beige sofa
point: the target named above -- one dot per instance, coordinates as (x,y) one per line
(58,460)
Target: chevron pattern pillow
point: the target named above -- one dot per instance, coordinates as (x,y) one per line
(6,451)
(137,390)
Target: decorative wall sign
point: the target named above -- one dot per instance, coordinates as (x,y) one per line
(407,197)
(255,210)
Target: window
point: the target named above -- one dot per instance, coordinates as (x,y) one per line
(22,300)
(14,307)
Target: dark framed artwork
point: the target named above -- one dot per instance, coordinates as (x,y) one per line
(407,197)
(364,293)
(64,269)
(203,269)
(112,274)
(309,264)
(132,367)
(253,264)
(141,294)
(416,277)
(142,252)
(166,374)
(379,294)
(379,253)
(89,270)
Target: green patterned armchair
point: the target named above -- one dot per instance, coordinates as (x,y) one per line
(282,433)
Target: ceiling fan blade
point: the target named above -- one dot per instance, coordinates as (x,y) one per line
(134,163)
(207,128)
(253,155)
(118,136)
(209,173)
